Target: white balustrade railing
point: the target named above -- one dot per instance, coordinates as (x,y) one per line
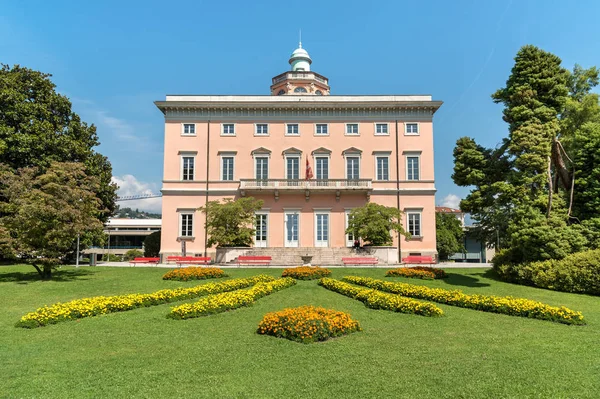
(306,184)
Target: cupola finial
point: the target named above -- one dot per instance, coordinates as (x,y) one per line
(300,41)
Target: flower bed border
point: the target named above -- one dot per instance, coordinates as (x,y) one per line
(307,324)
(380,300)
(89,307)
(422,272)
(225,301)
(488,303)
(306,272)
(194,273)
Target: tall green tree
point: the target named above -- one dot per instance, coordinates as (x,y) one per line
(374,223)
(449,235)
(152,245)
(515,187)
(230,223)
(38,127)
(43,212)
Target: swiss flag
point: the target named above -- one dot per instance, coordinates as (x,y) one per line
(309,173)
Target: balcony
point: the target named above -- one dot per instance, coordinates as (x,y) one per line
(276,186)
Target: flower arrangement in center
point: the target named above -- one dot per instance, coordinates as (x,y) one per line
(306,272)
(307,324)
(422,272)
(194,273)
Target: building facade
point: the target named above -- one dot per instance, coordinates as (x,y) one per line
(125,234)
(310,156)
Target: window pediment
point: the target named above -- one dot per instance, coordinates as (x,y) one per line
(351,150)
(291,150)
(321,150)
(261,150)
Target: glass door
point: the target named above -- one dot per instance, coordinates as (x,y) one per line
(262,171)
(322,230)
(260,238)
(291,229)
(349,236)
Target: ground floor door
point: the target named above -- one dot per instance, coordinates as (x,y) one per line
(322,230)
(260,239)
(291,229)
(349,236)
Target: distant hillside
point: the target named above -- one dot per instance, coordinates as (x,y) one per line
(128,213)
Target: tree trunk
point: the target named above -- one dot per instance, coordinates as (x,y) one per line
(45,273)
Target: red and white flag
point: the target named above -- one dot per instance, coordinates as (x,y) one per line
(309,173)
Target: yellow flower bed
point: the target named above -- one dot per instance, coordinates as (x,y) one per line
(422,272)
(380,300)
(228,300)
(88,307)
(487,303)
(306,272)
(307,324)
(194,273)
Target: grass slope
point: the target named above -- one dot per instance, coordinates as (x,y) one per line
(140,353)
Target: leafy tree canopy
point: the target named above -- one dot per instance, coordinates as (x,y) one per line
(42,213)
(152,245)
(38,127)
(231,223)
(374,223)
(449,235)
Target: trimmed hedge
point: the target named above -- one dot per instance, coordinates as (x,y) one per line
(578,273)
(422,272)
(88,307)
(380,300)
(223,302)
(307,324)
(487,303)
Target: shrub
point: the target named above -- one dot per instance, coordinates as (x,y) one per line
(132,254)
(422,272)
(307,324)
(579,273)
(228,300)
(194,273)
(487,303)
(152,245)
(380,300)
(306,272)
(88,307)
(112,258)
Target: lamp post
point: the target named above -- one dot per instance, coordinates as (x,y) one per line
(77,255)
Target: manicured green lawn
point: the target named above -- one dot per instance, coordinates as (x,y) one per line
(141,353)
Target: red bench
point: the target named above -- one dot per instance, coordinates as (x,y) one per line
(144,260)
(254,260)
(360,261)
(193,260)
(419,260)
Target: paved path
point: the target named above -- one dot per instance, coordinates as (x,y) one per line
(450,265)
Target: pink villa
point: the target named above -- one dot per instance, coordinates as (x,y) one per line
(358,149)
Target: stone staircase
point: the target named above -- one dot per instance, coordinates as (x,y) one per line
(292,256)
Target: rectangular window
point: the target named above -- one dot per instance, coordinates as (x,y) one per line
(260,237)
(262,129)
(412,128)
(383,168)
(322,129)
(322,230)
(187,168)
(414,223)
(292,129)
(262,168)
(292,168)
(187,225)
(322,166)
(189,129)
(228,129)
(351,128)
(381,128)
(227,168)
(353,168)
(412,168)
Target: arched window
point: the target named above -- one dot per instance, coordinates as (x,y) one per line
(299,90)
(281,92)
(319,93)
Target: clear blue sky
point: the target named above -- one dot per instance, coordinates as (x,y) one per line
(114,58)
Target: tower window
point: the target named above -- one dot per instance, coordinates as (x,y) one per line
(319,93)
(281,92)
(299,90)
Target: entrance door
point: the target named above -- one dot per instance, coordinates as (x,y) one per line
(349,236)
(291,229)
(322,230)
(260,238)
